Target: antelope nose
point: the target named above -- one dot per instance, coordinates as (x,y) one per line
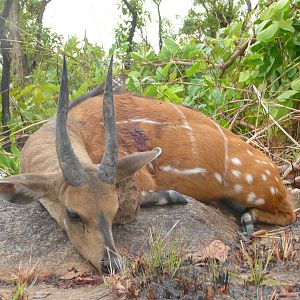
(112,262)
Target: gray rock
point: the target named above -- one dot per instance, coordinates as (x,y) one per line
(29,232)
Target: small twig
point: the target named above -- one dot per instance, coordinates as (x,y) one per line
(239,52)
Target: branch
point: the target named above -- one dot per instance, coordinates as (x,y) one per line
(178,62)
(239,52)
(133,25)
(159,24)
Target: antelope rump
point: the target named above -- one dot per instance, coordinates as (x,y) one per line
(101,159)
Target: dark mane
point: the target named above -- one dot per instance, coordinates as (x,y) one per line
(118,87)
(95,92)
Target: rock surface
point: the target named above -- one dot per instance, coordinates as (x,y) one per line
(29,232)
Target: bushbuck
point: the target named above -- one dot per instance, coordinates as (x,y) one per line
(90,170)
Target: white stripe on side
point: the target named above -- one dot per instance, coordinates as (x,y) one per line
(174,170)
(187,126)
(226,158)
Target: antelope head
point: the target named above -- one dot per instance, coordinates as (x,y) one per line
(83,200)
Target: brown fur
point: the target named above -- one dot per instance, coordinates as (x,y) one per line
(177,153)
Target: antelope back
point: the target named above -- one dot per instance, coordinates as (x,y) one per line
(200,158)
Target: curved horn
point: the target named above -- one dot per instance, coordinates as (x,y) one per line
(72,171)
(107,169)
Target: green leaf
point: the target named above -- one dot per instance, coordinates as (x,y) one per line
(177,88)
(193,89)
(165,70)
(137,56)
(150,91)
(158,74)
(148,79)
(172,76)
(263,25)
(275,8)
(209,80)
(282,5)
(279,112)
(51,87)
(150,54)
(217,96)
(296,85)
(133,84)
(253,60)
(172,96)
(171,45)
(268,34)
(268,13)
(286,25)
(51,112)
(286,95)
(164,53)
(193,69)
(193,54)
(244,76)
(256,47)
(37,96)
(25,91)
(236,28)
(135,74)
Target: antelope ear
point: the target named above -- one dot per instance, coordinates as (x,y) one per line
(129,164)
(24,188)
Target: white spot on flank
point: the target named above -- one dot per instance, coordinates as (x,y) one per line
(249,178)
(272,189)
(236,161)
(276,190)
(264,162)
(250,153)
(187,126)
(251,197)
(264,177)
(271,164)
(276,179)
(238,188)
(218,177)
(171,169)
(236,173)
(268,172)
(258,161)
(260,201)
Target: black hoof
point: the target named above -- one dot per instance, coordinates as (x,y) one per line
(177,198)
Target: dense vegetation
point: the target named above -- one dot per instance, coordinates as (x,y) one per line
(242,70)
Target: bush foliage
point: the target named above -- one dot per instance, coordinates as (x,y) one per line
(245,76)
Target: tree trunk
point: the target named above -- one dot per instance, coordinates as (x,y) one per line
(39,22)
(5,79)
(18,59)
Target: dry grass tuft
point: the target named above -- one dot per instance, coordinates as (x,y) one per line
(24,278)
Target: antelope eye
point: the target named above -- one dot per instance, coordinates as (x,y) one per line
(73,216)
